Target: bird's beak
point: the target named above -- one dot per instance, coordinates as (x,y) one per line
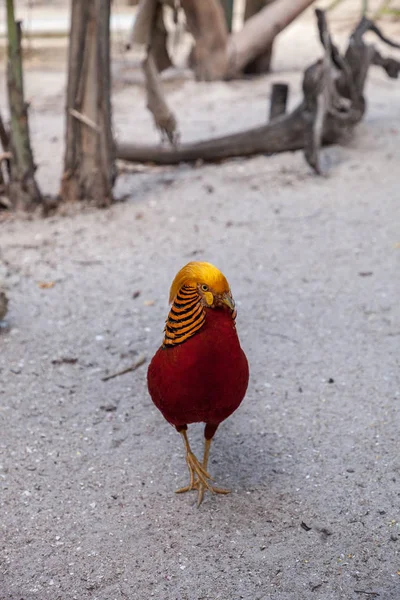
(228,300)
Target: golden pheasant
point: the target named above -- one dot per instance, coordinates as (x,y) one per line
(200,373)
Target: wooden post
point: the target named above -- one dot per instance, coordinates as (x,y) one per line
(23,189)
(279,98)
(89,163)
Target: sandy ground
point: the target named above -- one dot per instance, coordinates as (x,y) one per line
(88,468)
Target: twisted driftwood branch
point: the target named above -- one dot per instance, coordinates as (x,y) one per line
(333,104)
(164,118)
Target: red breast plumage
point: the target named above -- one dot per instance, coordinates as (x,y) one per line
(200,373)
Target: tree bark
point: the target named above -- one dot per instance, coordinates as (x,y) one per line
(262,63)
(159,49)
(89,162)
(227,7)
(149,28)
(23,189)
(259,32)
(215,54)
(5,158)
(4,135)
(206,22)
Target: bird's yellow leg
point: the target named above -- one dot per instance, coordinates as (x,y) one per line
(200,484)
(212,488)
(194,466)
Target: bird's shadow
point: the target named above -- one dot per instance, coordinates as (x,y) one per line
(246,460)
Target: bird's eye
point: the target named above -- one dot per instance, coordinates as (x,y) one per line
(204,287)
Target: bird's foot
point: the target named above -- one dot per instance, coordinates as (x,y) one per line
(201,488)
(201,483)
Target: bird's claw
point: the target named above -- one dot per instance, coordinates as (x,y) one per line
(201,483)
(201,487)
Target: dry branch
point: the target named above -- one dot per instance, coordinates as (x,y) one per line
(319,95)
(262,62)
(149,29)
(217,55)
(206,22)
(24,192)
(260,31)
(333,104)
(138,363)
(164,118)
(143,23)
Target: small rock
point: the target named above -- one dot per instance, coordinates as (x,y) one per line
(3,304)
(108,407)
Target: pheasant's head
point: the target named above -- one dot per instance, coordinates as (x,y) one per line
(209,282)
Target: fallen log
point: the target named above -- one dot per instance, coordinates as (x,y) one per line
(333,104)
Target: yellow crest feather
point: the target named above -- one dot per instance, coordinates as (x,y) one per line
(199,272)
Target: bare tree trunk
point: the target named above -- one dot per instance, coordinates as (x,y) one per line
(227,6)
(89,163)
(206,22)
(259,32)
(159,49)
(262,63)
(217,55)
(23,189)
(5,175)
(149,28)
(4,135)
